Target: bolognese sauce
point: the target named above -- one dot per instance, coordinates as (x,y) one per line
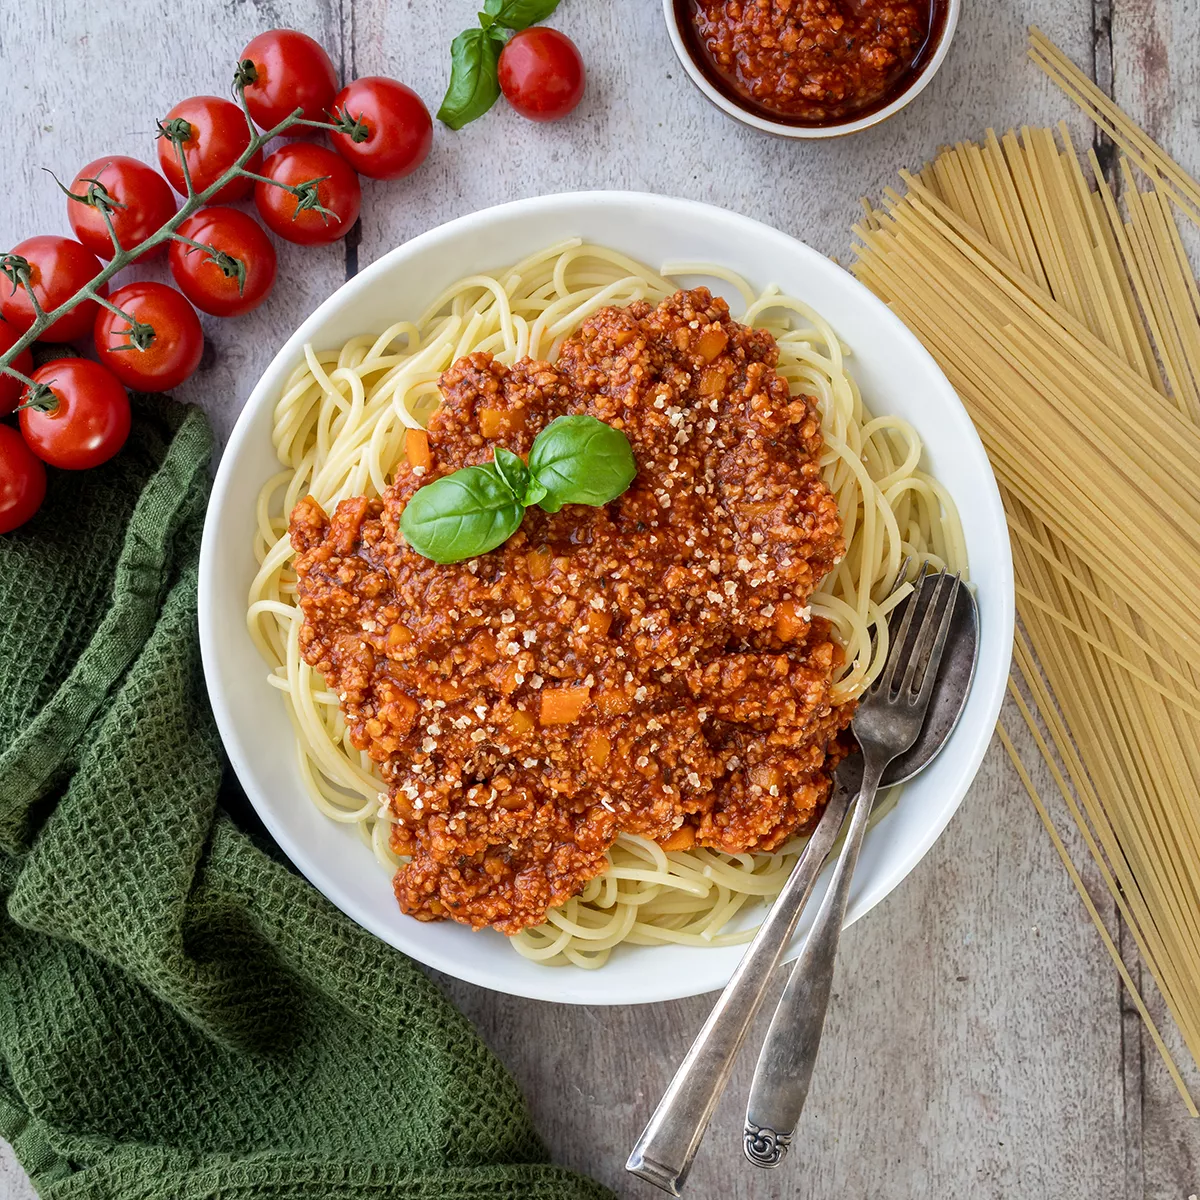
(811,62)
(648,666)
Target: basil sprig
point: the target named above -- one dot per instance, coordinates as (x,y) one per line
(574,460)
(475,54)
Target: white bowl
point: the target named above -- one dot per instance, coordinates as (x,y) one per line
(833,130)
(896,376)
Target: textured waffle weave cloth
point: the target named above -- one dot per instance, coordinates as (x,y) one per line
(181,1015)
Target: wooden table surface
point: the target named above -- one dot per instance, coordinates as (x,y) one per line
(979,1043)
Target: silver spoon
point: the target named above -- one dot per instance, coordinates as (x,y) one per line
(663,1154)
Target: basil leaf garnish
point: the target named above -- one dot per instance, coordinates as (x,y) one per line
(514,473)
(474,85)
(574,460)
(461,515)
(535,492)
(580,460)
(516,14)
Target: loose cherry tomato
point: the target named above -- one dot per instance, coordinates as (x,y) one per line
(298,218)
(86,419)
(58,268)
(388,130)
(10,385)
(239,271)
(172,352)
(289,71)
(541,73)
(142,203)
(22,480)
(218,136)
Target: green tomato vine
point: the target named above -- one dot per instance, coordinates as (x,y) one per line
(16,268)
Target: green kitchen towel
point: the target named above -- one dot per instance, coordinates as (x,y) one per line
(181,1016)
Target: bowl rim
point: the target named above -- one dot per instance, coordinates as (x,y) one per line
(655,987)
(809,132)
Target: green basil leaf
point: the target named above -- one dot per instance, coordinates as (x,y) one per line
(474,85)
(513,471)
(535,493)
(580,460)
(461,515)
(519,14)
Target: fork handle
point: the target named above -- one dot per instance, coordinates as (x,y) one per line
(789,1053)
(664,1153)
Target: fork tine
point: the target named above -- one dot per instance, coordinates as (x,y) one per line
(895,653)
(902,575)
(913,664)
(939,644)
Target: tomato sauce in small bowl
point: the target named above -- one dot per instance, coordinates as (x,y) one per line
(811,68)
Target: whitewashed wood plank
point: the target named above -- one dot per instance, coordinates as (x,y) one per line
(1156,74)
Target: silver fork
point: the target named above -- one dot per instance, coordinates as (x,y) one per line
(887,723)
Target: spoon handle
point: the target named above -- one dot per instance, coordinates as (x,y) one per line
(663,1154)
(789,1054)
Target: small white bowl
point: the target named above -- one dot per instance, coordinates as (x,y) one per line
(783,128)
(896,375)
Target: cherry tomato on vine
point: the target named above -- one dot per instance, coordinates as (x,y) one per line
(236,275)
(171,353)
(142,203)
(58,268)
(393,128)
(541,73)
(290,71)
(218,135)
(86,419)
(299,218)
(10,385)
(22,480)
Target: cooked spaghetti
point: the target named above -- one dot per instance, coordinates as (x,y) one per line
(343,427)
(1071,330)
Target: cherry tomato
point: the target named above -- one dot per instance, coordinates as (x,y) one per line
(22,480)
(338,192)
(58,268)
(10,385)
(541,73)
(175,346)
(211,283)
(219,134)
(143,202)
(88,418)
(290,71)
(394,128)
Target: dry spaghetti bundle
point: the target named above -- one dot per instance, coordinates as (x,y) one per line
(1065,312)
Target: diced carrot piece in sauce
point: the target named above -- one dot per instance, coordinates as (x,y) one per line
(684,838)
(712,381)
(508,679)
(402,840)
(611,702)
(710,343)
(495,421)
(623,338)
(399,635)
(539,562)
(484,645)
(416,449)
(599,621)
(789,624)
(521,723)
(561,706)
(598,748)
